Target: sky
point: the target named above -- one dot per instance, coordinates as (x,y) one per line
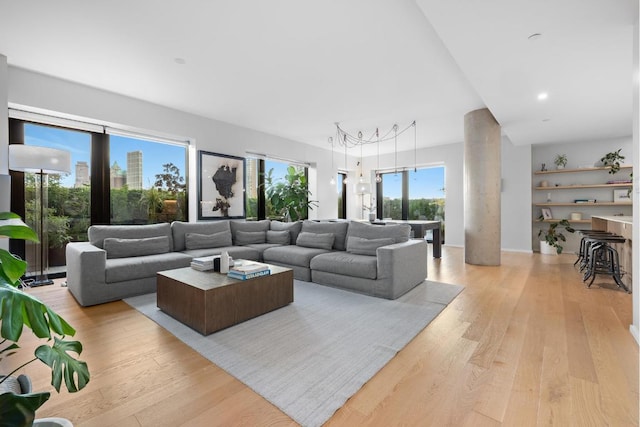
(154,154)
(425,183)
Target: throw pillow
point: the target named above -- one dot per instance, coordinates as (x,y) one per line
(124,248)
(293,228)
(205,241)
(278,237)
(316,240)
(250,237)
(338,229)
(361,246)
(398,232)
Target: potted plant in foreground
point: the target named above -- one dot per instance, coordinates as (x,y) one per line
(19,309)
(552,235)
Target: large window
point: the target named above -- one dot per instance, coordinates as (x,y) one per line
(262,176)
(147,181)
(412,195)
(113,180)
(341,188)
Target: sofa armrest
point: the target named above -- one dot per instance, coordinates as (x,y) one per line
(402,265)
(85,269)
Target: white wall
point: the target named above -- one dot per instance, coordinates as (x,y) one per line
(37,90)
(5,180)
(516,197)
(635,285)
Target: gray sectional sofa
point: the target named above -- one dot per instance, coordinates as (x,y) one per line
(122,261)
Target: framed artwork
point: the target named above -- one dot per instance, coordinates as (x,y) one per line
(621,196)
(221,185)
(546,213)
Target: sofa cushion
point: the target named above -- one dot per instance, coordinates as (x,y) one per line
(291,255)
(293,228)
(278,237)
(237,252)
(339,229)
(127,269)
(203,241)
(248,226)
(123,248)
(346,264)
(316,240)
(244,238)
(358,245)
(398,232)
(179,229)
(97,233)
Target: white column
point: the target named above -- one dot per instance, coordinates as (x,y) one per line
(482,171)
(635,248)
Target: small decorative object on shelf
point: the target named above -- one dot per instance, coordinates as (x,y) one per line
(543,168)
(612,160)
(546,213)
(560,161)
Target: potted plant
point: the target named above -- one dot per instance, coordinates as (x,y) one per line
(19,309)
(552,235)
(612,160)
(172,183)
(560,161)
(289,196)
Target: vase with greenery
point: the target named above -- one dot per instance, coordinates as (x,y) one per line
(289,196)
(553,236)
(19,309)
(560,161)
(612,160)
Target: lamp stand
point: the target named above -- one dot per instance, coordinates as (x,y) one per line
(41,205)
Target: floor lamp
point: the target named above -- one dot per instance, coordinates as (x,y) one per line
(40,161)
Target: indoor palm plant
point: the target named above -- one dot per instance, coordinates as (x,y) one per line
(19,309)
(289,196)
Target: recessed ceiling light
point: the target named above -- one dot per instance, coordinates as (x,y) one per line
(534,36)
(542,96)
(546,120)
(180,61)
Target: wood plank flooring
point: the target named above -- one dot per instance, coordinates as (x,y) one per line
(525,344)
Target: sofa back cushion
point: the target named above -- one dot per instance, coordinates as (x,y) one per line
(180,229)
(205,241)
(398,232)
(125,248)
(244,238)
(279,237)
(338,229)
(361,246)
(248,226)
(97,233)
(293,228)
(316,240)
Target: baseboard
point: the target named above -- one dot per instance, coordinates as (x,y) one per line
(522,251)
(634,333)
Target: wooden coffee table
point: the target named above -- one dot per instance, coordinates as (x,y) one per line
(208,301)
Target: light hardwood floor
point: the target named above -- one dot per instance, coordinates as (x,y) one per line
(525,344)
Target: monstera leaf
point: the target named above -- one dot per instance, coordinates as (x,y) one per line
(19,409)
(63,365)
(18,309)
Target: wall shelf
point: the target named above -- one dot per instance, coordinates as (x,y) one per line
(575,187)
(590,205)
(580,170)
(572,221)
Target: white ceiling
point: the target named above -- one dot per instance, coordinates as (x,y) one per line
(292,68)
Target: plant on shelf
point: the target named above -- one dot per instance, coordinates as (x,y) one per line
(289,196)
(560,161)
(612,160)
(552,235)
(19,309)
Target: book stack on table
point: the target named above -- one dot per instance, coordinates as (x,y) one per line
(246,270)
(202,264)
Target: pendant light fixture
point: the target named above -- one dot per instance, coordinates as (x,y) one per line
(378,176)
(333,173)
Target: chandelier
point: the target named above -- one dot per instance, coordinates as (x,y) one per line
(347,140)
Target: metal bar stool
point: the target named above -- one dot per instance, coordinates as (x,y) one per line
(602,258)
(583,248)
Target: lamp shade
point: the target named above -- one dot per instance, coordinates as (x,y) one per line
(32,158)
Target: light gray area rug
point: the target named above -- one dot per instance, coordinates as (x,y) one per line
(309,357)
